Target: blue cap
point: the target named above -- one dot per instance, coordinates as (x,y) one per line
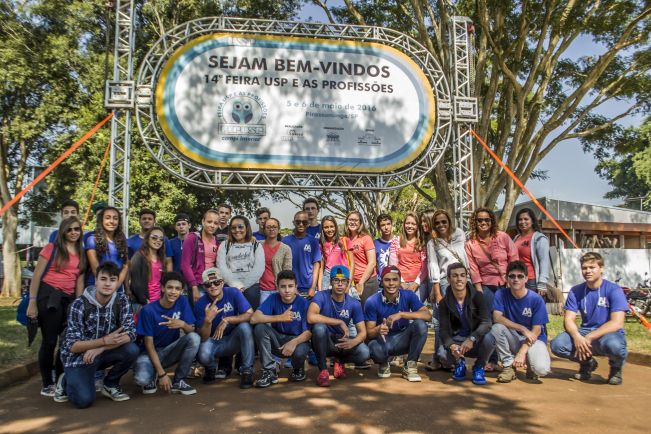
(339,272)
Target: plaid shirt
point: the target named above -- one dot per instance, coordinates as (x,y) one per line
(99,322)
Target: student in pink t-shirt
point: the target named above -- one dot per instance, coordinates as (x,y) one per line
(362,249)
(333,251)
(407,252)
(56,282)
(147,267)
(277,257)
(533,248)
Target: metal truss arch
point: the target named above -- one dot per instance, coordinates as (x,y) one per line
(210,177)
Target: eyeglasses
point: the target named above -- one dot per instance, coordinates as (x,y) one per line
(301,222)
(516,276)
(73,229)
(440,222)
(271,228)
(483,220)
(237,227)
(340,281)
(156,238)
(211,283)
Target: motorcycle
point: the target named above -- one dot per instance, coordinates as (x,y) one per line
(640,297)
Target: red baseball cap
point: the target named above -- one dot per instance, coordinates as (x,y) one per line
(390,269)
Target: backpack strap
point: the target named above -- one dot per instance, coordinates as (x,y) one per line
(49,261)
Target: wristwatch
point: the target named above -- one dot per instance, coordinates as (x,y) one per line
(472,339)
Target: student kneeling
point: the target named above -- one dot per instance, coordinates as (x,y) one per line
(520,317)
(331,312)
(281,330)
(396,324)
(100,334)
(465,325)
(160,324)
(223,316)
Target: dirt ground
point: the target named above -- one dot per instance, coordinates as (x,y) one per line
(362,403)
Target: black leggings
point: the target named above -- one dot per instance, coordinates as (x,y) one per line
(52,322)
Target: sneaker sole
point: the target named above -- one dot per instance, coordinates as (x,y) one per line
(506,380)
(60,399)
(184,392)
(459,378)
(149,391)
(259,386)
(384,375)
(479,383)
(299,379)
(412,379)
(48,394)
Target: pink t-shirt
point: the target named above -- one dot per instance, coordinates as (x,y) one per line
(334,254)
(523,244)
(268,280)
(64,279)
(409,261)
(500,249)
(210,252)
(154,281)
(358,247)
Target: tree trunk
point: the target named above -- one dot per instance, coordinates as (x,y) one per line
(11,260)
(511,195)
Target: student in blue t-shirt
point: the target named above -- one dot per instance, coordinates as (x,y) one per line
(261,216)
(311,207)
(520,318)
(147,220)
(69,208)
(384,225)
(175,251)
(331,313)
(306,255)
(107,244)
(281,330)
(396,325)
(160,324)
(222,320)
(603,306)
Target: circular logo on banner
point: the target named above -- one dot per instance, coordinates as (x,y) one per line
(241,113)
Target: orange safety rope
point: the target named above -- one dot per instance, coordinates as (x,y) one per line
(521,185)
(513,176)
(99,174)
(52,166)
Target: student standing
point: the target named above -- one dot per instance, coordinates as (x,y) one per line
(362,249)
(306,255)
(407,252)
(69,208)
(224,212)
(107,244)
(146,269)
(333,250)
(384,224)
(200,253)
(533,250)
(240,260)
(58,279)
(277,257)
(311,207)
(261,216)
(182,228)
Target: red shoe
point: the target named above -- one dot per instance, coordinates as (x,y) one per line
(323,379)
(339,369)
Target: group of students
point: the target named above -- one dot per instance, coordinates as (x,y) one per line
(314,293)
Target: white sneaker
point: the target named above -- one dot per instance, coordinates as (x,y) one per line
(60,390)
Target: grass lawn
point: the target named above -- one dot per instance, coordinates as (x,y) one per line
(13,337)
(637,336)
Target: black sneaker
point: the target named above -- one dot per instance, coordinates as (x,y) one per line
(115,393)
(586,369)
(246,379)
(209,376)
(183,388)
(298,374)
(615,376)
(267,378)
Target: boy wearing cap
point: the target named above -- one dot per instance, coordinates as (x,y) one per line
(520,317)
(465,325)
(160,324)
(396,325)
(281,330)
(331,312)
(222,320)
(182,228)
(603,306)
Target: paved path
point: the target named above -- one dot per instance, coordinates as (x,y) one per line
(361,403)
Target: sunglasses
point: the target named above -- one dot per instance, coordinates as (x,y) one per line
(483,220)
(440,222)
(301,222)
(73,229)
(156,238)
(211,283)
(237,227)
(516,276)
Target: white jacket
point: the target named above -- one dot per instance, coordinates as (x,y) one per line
(440,254)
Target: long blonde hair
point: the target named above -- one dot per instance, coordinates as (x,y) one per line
(418,246)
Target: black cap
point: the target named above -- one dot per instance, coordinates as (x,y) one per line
(182,217)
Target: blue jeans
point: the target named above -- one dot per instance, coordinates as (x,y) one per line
(238,340)
(252,295)
(612,345)
(436,325)
(269,341)
(409,341)
(182,351)
(325,283)
(481,350)
(324,342)
(80,381)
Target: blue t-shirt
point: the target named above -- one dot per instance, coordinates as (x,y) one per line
(53,236)
(527,311)
(274,305)
(111,255)
(346,310)
(152,314)
(315,231)
(305,252)
(381,255)
(259,236)
(376,309)
(595,305)
(175,251)
(233,303)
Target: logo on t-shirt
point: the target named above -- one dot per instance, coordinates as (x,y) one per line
(345,313)
(603,302)
(527,312)
(307,248)
(228,307)
(296,316)
(176,315)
